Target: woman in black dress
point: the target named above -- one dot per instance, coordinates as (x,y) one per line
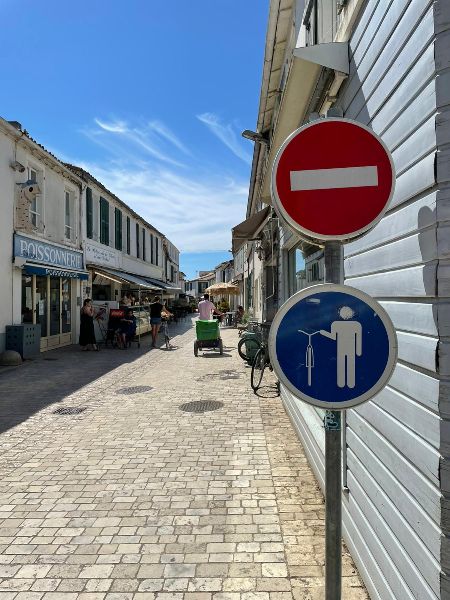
(87,333)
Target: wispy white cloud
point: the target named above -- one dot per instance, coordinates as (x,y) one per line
(195,211)
(196,215)
(135,136)
(115,127)
(166,133)
(226,134)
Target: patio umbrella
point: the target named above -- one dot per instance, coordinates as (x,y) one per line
(223,288)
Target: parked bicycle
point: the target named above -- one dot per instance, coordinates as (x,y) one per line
(250,341)
(260,363)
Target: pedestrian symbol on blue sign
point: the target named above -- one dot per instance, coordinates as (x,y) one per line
(333,346)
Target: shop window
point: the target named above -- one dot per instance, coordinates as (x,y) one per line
(41,303)
(69,217)
(89,214)
(55,312)
(66,303)
(128,235)
(27,298)
(118,228)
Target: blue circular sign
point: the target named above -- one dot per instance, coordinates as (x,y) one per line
(333,346)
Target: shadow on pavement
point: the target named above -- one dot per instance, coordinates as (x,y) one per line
(54,375)
(268,391)
(213,355)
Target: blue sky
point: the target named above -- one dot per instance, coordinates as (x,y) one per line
(150,96)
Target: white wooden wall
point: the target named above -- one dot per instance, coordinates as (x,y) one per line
(398,442)
(397,513)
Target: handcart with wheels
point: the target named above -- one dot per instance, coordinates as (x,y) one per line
(207,336)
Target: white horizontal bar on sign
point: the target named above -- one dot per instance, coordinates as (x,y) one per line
(326,179)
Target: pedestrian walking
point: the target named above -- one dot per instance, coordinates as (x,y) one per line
(156,309)
(87,334)
(206,309)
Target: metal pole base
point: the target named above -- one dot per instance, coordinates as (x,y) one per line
(333,505)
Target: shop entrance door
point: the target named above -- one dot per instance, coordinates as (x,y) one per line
(52,299)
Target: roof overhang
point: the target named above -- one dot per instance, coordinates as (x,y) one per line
(300,85)
(249,228)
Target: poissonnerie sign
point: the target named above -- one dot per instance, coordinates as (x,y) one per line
(47,254)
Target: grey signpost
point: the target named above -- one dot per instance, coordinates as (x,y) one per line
(334,267)
(362,183)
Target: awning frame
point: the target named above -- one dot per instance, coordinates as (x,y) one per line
(248,229)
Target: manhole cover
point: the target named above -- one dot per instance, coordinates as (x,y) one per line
(69,410)
(200,407)
(137,389)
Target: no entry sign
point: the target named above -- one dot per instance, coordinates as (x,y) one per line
(332,179)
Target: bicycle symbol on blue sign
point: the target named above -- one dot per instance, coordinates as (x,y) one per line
(342,334)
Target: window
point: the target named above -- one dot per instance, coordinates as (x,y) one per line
(138,249)
(104,221)
(152,254)
(89,214)
(172,273)
(128,235)
(296,271)
(118,228)
(68,221)
(35,206)
(144,256)
(156,251)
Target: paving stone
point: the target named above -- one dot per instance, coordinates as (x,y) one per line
(134,499)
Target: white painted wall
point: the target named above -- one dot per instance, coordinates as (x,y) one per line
(53,179)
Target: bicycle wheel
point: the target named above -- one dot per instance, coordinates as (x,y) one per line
(247,348)
(259,364)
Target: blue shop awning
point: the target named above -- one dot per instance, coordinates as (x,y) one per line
(54,272)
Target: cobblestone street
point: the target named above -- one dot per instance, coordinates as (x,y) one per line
(134,498)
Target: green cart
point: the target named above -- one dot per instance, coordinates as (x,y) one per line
(207,336)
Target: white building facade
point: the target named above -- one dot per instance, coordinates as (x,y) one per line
(396,80)
(65,237)
(123,253)
(42,263)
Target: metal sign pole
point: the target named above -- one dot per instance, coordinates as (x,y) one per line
(334,258)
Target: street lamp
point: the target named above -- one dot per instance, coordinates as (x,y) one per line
(255,136)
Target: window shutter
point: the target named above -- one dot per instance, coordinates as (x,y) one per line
(104,221)
(89,214)
(128,235)
(118,228)
(138,246)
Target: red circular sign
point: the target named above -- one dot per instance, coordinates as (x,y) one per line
(332,179)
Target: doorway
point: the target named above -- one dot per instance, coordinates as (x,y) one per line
(47,301)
